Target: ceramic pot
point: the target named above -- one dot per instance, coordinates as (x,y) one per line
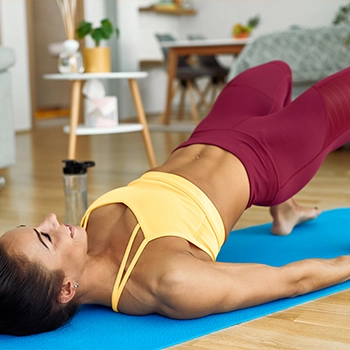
(97,60)
(241,35)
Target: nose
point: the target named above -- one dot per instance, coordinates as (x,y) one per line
(50,221)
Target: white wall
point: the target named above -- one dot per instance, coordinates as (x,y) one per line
(13,27)
(215,19)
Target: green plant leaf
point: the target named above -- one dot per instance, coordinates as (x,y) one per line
(106,29)
(97,35)
(253,22)
(342,15)
(347,41)
(100,33)
(83,29)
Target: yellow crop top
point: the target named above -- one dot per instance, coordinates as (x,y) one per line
(164,205)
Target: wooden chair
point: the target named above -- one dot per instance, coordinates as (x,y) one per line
(186,77)
(217,73)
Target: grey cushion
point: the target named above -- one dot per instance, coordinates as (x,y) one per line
(312,53)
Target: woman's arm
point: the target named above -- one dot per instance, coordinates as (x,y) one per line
(195,288)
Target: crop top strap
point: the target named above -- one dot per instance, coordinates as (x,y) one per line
(120,280)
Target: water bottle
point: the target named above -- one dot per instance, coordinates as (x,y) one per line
(75,189)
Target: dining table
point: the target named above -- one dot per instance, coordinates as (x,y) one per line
(227,46)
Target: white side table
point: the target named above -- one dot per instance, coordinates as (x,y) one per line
(75,130)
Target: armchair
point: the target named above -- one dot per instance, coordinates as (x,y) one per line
(312,53)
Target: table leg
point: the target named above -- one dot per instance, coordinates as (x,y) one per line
(172,67)
(74,117)
(142,120)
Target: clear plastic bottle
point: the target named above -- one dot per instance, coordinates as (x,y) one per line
(75,189)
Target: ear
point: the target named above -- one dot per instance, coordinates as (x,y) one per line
(67,293)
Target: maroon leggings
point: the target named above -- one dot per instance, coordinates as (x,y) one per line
(280,143)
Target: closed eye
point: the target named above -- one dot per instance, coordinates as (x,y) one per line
(40,239)
(46,236)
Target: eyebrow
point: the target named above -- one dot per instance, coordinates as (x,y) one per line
(40,238)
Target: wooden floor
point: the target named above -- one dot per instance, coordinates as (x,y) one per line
(35,187)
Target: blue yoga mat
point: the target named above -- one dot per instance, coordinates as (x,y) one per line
(100,328)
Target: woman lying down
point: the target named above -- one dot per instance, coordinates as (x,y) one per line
(151,246)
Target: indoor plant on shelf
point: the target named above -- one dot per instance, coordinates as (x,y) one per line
(343,17)
(240,31)
(97,59)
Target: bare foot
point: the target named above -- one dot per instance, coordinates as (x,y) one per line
(289,214)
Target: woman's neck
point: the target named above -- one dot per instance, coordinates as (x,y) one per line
(96,283)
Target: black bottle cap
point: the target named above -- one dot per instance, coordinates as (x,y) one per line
(74,167)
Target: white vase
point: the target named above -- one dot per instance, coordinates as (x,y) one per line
(70,59)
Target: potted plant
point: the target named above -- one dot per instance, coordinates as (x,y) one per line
(341,17)
(240,31)
(98,58)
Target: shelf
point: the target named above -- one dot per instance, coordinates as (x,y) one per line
(87,76)
(169,10)
(121,128)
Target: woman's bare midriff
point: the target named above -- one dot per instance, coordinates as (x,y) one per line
(218,173)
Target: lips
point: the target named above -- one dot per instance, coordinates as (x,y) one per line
(70,230)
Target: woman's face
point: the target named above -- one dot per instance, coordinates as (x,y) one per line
(57,246)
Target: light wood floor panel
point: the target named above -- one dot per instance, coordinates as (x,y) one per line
(35,188)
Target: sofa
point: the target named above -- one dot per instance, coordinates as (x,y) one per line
(312,53)
(7,133)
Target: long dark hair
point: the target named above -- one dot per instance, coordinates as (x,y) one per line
(28,297)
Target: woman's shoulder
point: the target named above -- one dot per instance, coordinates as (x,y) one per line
(160,270)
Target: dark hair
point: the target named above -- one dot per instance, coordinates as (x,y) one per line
(28,297)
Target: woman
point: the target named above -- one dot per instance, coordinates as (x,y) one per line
(150,247)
